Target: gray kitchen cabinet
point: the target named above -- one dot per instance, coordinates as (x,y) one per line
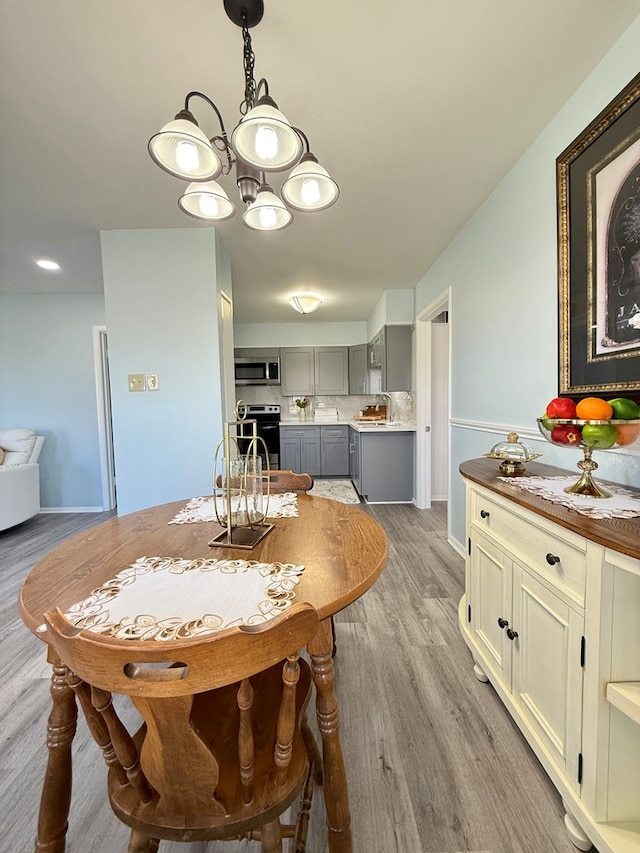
(334,450)
(358,369)
(396,358)
(383,464)
(375,350)
(300,449)
(322,451)
(331,370)
(297,371)
(315,371)
(391,351)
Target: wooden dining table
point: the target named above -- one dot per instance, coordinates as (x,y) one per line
(343,550)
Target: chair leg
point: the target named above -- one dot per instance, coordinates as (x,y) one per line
(271,834)
(333,635)
(141,843)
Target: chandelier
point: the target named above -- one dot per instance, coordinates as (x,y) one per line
(263,141)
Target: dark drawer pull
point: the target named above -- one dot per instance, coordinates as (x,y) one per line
(512,635)
(552,559)
(502,622)
(484,513)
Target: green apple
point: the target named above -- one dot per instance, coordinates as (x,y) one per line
(545,422)
(624,409)
(599,435)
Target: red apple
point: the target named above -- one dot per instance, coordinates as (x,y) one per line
(561,407)
(566,434)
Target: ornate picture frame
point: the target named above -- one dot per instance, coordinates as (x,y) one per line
(598,200)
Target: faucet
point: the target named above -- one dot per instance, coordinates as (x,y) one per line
(388,396)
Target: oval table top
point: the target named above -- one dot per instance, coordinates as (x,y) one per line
(343,549)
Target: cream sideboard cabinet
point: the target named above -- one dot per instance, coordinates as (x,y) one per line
(551,614)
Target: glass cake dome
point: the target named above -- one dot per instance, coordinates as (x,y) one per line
(513,454)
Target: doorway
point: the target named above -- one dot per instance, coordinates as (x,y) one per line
(105,429)
(433,401)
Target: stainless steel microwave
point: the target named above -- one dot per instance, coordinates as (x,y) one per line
(257,371)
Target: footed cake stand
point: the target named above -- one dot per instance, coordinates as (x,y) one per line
(627,433)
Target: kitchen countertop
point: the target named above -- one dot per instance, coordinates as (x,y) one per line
(360,426)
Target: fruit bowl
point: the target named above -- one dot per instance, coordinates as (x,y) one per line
(587,436)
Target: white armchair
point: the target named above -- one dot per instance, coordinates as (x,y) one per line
(19,475)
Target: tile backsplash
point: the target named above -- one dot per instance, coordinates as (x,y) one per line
(402,407)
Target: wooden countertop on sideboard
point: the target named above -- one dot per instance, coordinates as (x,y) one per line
(619,534)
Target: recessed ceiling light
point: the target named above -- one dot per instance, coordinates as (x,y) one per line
(46,264)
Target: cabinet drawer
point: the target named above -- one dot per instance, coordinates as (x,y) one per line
(299,432)
(555,553)
(341,431)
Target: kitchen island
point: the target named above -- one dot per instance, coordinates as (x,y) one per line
(378,457)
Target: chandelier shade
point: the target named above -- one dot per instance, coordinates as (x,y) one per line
(267,213)
(265,139)
(206,200)
(305,303)
(309,186)
(183,150)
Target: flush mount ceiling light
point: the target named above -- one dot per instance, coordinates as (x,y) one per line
(305,303)
(263,141)
(46,264)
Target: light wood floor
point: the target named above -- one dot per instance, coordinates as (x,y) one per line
(435,764)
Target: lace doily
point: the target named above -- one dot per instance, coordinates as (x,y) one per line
(202,509)
(167,598)
(623,503)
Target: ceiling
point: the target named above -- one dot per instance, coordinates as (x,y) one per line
(417,109)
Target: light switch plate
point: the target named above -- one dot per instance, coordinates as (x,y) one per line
(152,382)
(137,382)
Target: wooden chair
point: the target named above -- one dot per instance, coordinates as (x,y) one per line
(289,481)
(224,748)
(281,481)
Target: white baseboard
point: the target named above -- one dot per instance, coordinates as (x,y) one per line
(457,546)
(61,509)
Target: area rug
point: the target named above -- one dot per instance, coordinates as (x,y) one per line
(337,490)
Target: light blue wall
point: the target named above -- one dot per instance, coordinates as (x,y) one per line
(394,306)
(47,383)
(502,271)
(299,334)
(160,301)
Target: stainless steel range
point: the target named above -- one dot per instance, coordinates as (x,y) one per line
(267,419)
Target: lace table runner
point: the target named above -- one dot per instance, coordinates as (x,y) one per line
(623,503)
(202,509)
(167,598)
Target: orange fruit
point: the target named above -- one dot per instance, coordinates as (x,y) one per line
(594,409)
(627,433)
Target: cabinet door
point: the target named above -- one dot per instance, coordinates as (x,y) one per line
(334,446)
(331,370)
(491,585)
(375,351)
(354,462)
(396,358)
(546,666)
(358,370)
(290,454)
(310,455)
(297,371)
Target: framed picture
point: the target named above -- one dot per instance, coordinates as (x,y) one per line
(598,192)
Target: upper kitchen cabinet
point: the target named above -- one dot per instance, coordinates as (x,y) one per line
(358,369)
(315,371)
(390,350)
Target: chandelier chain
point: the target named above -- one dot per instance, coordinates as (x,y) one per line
(249,59)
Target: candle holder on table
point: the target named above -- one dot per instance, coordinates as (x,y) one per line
(238,486)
